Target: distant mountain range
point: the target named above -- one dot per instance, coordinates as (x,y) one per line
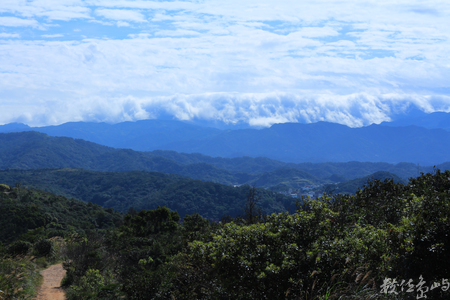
(141,135)
(436,120)
(328,142)
(33,150)
(110,164)
(119,178)
(288,142)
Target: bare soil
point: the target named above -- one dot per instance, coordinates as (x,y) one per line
(51,285)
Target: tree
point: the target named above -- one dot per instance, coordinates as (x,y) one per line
(252,213)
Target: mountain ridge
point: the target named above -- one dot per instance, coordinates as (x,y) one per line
(286,142)
(33,150)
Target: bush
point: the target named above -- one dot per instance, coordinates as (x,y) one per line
(88,287)
(18,248)
(43,247)
(4,188)
(19,279)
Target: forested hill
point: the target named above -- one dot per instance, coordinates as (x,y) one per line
(334,171)
(37,214)
(346,247)
(33,150)
(353,186)
(148,190)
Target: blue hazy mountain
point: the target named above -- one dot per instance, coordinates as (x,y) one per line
(430,121)
(327,142)
(14,127)
(33,150)
(142,135)
(287,142)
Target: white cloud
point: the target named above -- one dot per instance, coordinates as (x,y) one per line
(318,31)
(50,9)
(143,4)
(66,14)
(121,14)
(255,109)
(17,22)
(256,61)
(179,32)
(122,24)
(52,35)
(4,35)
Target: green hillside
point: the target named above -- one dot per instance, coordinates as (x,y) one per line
(32,150)
(291,178)
(327,171)
(146,190)
(347,247)
(35,214)
(352,186)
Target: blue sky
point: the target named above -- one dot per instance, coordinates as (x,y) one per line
(258,62)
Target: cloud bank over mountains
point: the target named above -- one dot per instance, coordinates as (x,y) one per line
(258,62)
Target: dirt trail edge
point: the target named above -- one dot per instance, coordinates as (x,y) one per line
(51,286)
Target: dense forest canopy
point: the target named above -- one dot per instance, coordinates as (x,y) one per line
(337,246)
(147,190)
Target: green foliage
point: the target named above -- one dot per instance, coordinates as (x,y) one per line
(252,213)
(385,230)
(19,278)
(40,215)
(145,190)
(18,248)
(43,247)
(336,247)
(146,223)
(142,246)
(83,253)
(194,223)
(88,287)
(131,259)
(4,188)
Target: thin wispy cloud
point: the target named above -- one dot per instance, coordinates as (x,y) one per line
(52,35)
(121,15)
(17,22)
(9,35)
(260,62)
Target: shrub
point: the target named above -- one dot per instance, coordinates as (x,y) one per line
(43,247)
(18,248)
(19,279)
(88,287)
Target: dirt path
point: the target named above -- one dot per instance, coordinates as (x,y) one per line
(51,286)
